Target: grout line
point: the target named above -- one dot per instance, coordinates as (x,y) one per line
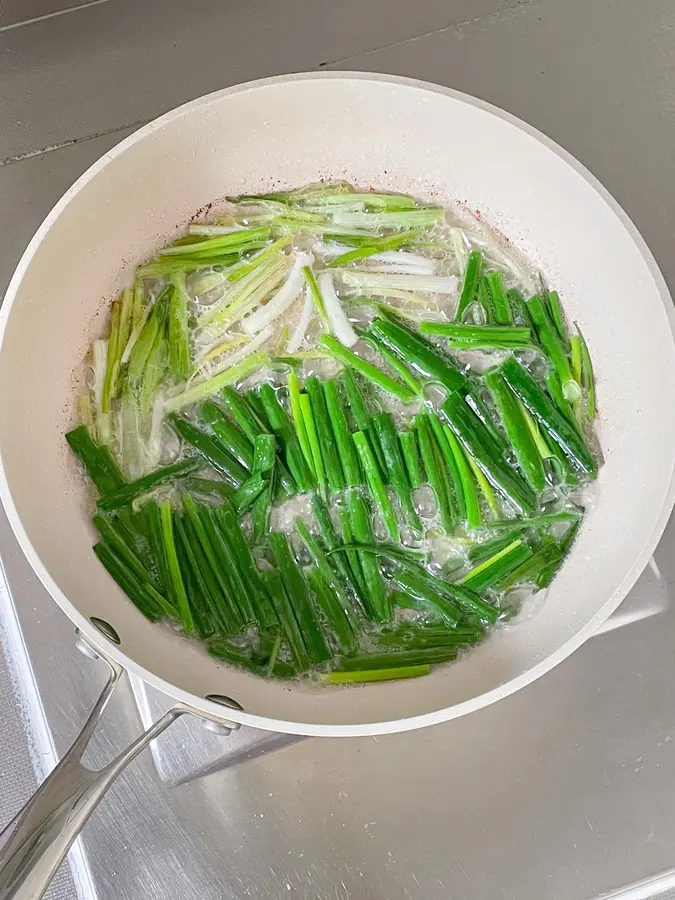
(51,15)
(20,157)
(456,26)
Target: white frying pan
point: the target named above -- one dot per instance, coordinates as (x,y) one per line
(395,134)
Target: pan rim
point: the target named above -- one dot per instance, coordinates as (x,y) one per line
(332,730)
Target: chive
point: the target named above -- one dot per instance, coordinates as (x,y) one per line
(388,551)
(341,561)
(242,414)
(553,348)
(264,458)
(289,624)
(417,353)
(543,521)
(548,572)
(210,588)
(411,636)
(134,489)
(226,609)
(575,356)
(398,476)
(377,245)
(210,487)
(532,567)
(431,459)
(316,295)
(298,420)
(214,454)
(332,610)
(202,390)
(140,595)
(375,483)
(178,586)
(556,392)
(411,455)
(253,598)
(473,271)
(341,353)
(557,316)
(135,569)
(341,434)
(97,460)
(114,353)
(240,601)
(427,597)
(559,429)
(296,589)
(362,417)
(356,400)
(234,656)
(146,339)
(282,428)
(500,303)
(375,675)
(329,575)
(475,439)
(217,244)
(588,375)
(205,621)
(529,459)
(396,659)
(113,537)
(488,336)
(229,435)
(486,549)
(178,332)
(457,595)
(493,570)
(379,607)
(329,451)
(248,492)
(357,575)
(485,300)
(313,440)
(451,472)
(274,655)
(153,528)
(472,514)
(518,308)
(397,367)
(249,422)
(250,265)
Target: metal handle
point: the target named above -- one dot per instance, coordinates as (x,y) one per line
(36,841)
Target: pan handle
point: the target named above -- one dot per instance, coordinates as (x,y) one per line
(36,841)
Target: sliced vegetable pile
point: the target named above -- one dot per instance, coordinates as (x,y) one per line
(336,432)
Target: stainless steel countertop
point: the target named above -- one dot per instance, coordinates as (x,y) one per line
(560,791)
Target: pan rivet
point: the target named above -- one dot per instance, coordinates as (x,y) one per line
(106,629)
(222,700)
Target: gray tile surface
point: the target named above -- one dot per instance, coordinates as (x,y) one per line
(111,65)
(29,189)
(596,76)
(16,12)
